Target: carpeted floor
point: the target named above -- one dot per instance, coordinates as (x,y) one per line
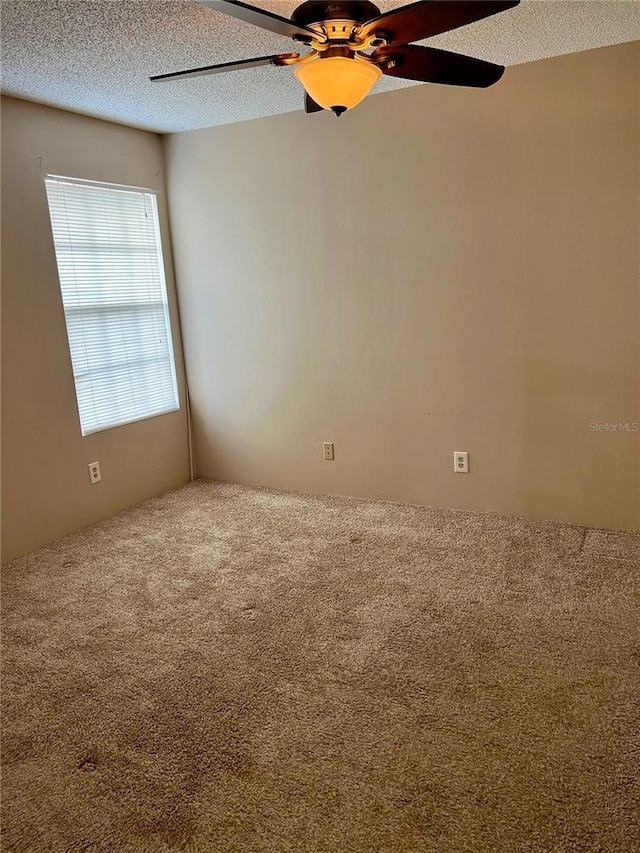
(230,670)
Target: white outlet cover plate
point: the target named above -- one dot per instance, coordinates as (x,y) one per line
(461,461)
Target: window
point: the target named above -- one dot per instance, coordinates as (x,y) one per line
(107,242)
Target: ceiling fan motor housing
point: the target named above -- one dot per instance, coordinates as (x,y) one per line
(321,11)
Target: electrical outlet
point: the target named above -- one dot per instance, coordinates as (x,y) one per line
(327,450)
(94,473)
(461,461)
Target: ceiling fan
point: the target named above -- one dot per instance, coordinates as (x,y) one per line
(352,45)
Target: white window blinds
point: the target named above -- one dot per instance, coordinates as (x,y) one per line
(107,242)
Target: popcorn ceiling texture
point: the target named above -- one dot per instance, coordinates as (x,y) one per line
(225,669)
(96,57)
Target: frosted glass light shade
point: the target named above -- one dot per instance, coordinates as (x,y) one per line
(338,81)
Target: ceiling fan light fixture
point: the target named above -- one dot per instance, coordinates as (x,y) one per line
(338,81)
(339,71)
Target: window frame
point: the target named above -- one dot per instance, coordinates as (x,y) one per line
(164,292)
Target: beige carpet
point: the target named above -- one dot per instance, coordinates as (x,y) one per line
(232,670)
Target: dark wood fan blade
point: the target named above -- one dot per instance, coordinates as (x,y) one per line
(310,105)
(262,18)
(430,17)
(429,65)
(225,66)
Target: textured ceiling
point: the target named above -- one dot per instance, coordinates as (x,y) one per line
(96,57)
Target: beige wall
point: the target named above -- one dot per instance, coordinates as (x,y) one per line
(440,270)
(45,483)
